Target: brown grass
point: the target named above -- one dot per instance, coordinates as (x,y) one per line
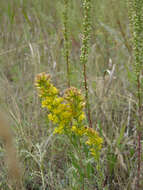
(11,160)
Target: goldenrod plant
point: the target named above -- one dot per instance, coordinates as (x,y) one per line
(67,115)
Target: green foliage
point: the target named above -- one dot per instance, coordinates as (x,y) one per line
(32,41)
(66,39)
(86,32)
(136,17)
(85,51)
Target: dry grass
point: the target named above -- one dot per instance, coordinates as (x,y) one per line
(11,161)
(31,42)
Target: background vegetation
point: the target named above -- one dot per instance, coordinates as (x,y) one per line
(32,42)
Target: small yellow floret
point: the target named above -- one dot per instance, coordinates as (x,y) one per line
(50,116)
(82,117)
(58,130)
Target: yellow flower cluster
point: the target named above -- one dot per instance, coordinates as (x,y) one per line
(59,112)
(94,141)
(67,112)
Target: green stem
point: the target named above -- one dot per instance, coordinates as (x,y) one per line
(66,41)
(85,52)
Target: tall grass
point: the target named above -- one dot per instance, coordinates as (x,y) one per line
(32,41)
(136,18)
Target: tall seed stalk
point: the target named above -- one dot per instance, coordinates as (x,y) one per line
(136,18)
(66,40)
(85,51)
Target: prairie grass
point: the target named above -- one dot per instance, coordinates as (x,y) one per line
(32,41)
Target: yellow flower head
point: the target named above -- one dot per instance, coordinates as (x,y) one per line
(94,141)
(44,86)
(78,131)
(59,130)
